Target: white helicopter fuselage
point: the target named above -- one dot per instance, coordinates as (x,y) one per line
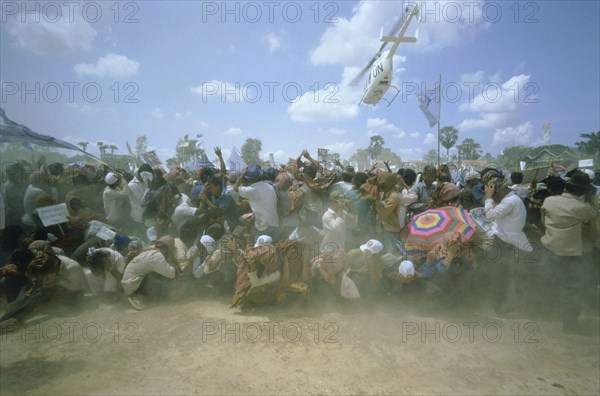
(380,78)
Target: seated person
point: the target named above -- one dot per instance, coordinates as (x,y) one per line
(105,270)
(147,272)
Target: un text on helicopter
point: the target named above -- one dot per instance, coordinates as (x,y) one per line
(380,67)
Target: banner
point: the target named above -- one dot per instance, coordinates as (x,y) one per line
(53,214)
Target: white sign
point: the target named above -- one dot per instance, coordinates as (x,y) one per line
(54,214)
(106,234)
(586,162)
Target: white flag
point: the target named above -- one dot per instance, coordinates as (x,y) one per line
(235,162)
(429,103)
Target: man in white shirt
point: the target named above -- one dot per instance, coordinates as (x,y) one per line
(262,198)
(521,191)
(335,222)
(507,211)
(143,268)
(116,201)
(138,187)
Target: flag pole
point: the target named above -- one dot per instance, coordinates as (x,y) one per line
(439,119)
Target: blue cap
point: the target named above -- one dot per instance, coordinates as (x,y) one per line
(197,190)
(254,172)
(121,241)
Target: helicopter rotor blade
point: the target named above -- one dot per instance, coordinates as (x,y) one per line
(361,74)
(364,71)
(397,26)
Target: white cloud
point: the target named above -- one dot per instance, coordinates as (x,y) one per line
(336,131)
(279,156)
(111,65)
(355,40)
(486,121)
(449,23)
(157,113)
(476,77)
(500,97)
(233,131)
(203,124)
(182,115)
(415,135)
(498,103)
(322,106)
(51,33)
(344,149)
(520,135)
(429,138)
(274,42)
(224,91)
(379,125)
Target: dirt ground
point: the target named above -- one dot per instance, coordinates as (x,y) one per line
(311,347)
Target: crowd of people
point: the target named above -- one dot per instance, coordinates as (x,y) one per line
(269,235)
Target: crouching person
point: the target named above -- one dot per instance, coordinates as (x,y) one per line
(257,278)
(147,273)
(221,265)
(105,270)
(51,277)
(366,267)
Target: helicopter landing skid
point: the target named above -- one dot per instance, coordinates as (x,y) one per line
(389,102)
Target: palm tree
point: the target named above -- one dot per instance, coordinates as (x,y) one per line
(83,145)
(448,138)
(112,148)
(102,147)
(376,146)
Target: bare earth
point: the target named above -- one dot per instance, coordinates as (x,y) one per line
(203,347)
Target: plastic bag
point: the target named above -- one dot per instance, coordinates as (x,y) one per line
(348,288)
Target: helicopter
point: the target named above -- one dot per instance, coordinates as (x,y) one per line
(381,67)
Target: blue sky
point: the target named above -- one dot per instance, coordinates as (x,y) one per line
(280,71)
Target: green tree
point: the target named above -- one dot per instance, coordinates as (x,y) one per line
(510,157)
(469,149)
(591,146)
(360,157)
(112,149)
(102,147)
(83,145)
(376,146)
(448,138)
(251,151)
(431,157)
(141,145)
